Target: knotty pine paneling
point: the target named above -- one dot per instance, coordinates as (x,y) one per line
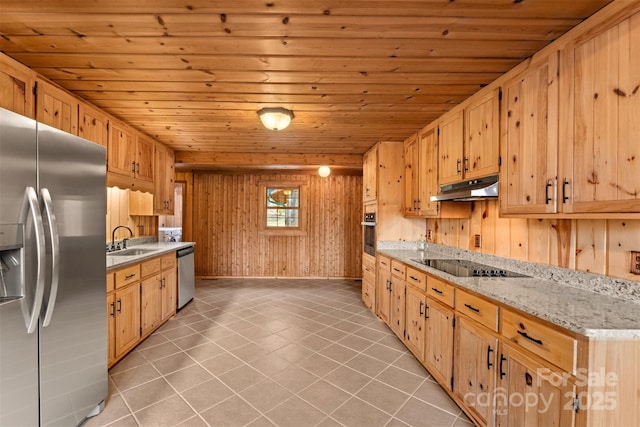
(227,233)
(597,246)
(118,214)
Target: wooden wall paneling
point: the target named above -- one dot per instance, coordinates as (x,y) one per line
(622,238)
(538,241)
(519,237)
(591,245)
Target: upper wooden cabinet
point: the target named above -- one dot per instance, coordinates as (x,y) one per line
(369,175)
(599,132)
(469,140)
(93,124)
(56,107)
(16,87)
(130,158)
(421,179)
(164,182)
(529,143)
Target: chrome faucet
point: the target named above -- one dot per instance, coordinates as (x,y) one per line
(124,241)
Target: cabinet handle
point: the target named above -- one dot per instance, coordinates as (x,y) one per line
(565,182)
(524,334)
(458,170)
(502,359)
(466,164)
(119,305)
(130,276)
(547,199)
(472,308)
(133,167)
(437,291)
(421,305)
(489,351)
(395,269)
(414,279)
(138,168)
(419,204)
(426,311)
(113,310)
(164,282)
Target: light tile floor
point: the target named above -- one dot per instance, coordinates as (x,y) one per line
(265,352)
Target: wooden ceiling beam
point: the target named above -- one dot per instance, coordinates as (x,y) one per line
(211,159)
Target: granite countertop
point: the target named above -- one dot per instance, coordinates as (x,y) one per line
(158,248)
(578,310)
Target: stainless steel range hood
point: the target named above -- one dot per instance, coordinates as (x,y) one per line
(475,189)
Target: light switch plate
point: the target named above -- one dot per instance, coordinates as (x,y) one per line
(477,241)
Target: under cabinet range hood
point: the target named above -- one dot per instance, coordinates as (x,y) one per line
(474,189)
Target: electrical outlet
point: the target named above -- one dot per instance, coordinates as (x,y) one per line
(429,237)
(477,241)
(634,266)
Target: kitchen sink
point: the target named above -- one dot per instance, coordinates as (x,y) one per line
(130,252)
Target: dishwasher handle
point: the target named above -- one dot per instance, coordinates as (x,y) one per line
(184,252)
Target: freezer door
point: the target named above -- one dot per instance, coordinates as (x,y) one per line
(18,349)
(73,329)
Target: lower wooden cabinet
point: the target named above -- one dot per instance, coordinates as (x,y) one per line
(416,307)
(369,281)
(145,296)
(383,295)
(397,315)
(475,368)
(439,342)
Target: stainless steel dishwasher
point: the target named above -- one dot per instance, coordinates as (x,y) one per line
(186,276)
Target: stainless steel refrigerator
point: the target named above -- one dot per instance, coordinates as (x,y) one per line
(53,331)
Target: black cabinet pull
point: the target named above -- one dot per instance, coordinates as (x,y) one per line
(426,311)
(113,309)
(133,167)
(414,278)
(437,291)
(458,163)
(466,164)
(502,373)
(565,182)
(547,199)
(119,306)
(524,334)
(421,305)
(130,276)
(489,351)
(472,308)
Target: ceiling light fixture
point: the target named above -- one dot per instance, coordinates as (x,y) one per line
(276,118)
(324,171)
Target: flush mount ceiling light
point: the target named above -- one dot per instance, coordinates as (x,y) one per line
(324,171)
(276,118)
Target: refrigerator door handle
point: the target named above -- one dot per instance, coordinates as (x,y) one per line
(55,256)
(30,206)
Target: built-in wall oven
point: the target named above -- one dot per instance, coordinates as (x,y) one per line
(369,233)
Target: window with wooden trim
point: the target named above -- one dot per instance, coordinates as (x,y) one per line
(283,209)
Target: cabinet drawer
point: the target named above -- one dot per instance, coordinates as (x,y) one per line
(440,290)
(169,261)
(417,278)
(368,265)
(127,275)
(398,269)
(111,281)
(540,339)
(480,310)
(384,263)
(147,268)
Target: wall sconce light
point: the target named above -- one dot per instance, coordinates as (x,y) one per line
(324,171)
(276,118)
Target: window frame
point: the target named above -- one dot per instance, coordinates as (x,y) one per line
(301,229)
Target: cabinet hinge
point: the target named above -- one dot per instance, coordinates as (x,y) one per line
(576,404)
(140,331)
(499,160)
(453,322)
(108,124)
(500,94)
(438,131)
(35,89)
(451,383)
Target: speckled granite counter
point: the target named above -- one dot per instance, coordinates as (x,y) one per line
(156,249)
(579,310)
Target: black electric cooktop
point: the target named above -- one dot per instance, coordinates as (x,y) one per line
(463,268)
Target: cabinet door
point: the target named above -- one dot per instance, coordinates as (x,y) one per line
(439,342)
(383,293)
(169,292)
(56,107)
(599,110)
(451,141)
(145,156)
(93,125)
(127,318)
(121,150)
(416,302)
(151,304)
(531,394)
(111,329)
(529,144)
(369,170)
(411,177)
(428,178)
(475,368)
(482,132)
(397,319)
(164,181)
(16,85)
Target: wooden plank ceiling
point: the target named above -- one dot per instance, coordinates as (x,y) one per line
(193,73)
